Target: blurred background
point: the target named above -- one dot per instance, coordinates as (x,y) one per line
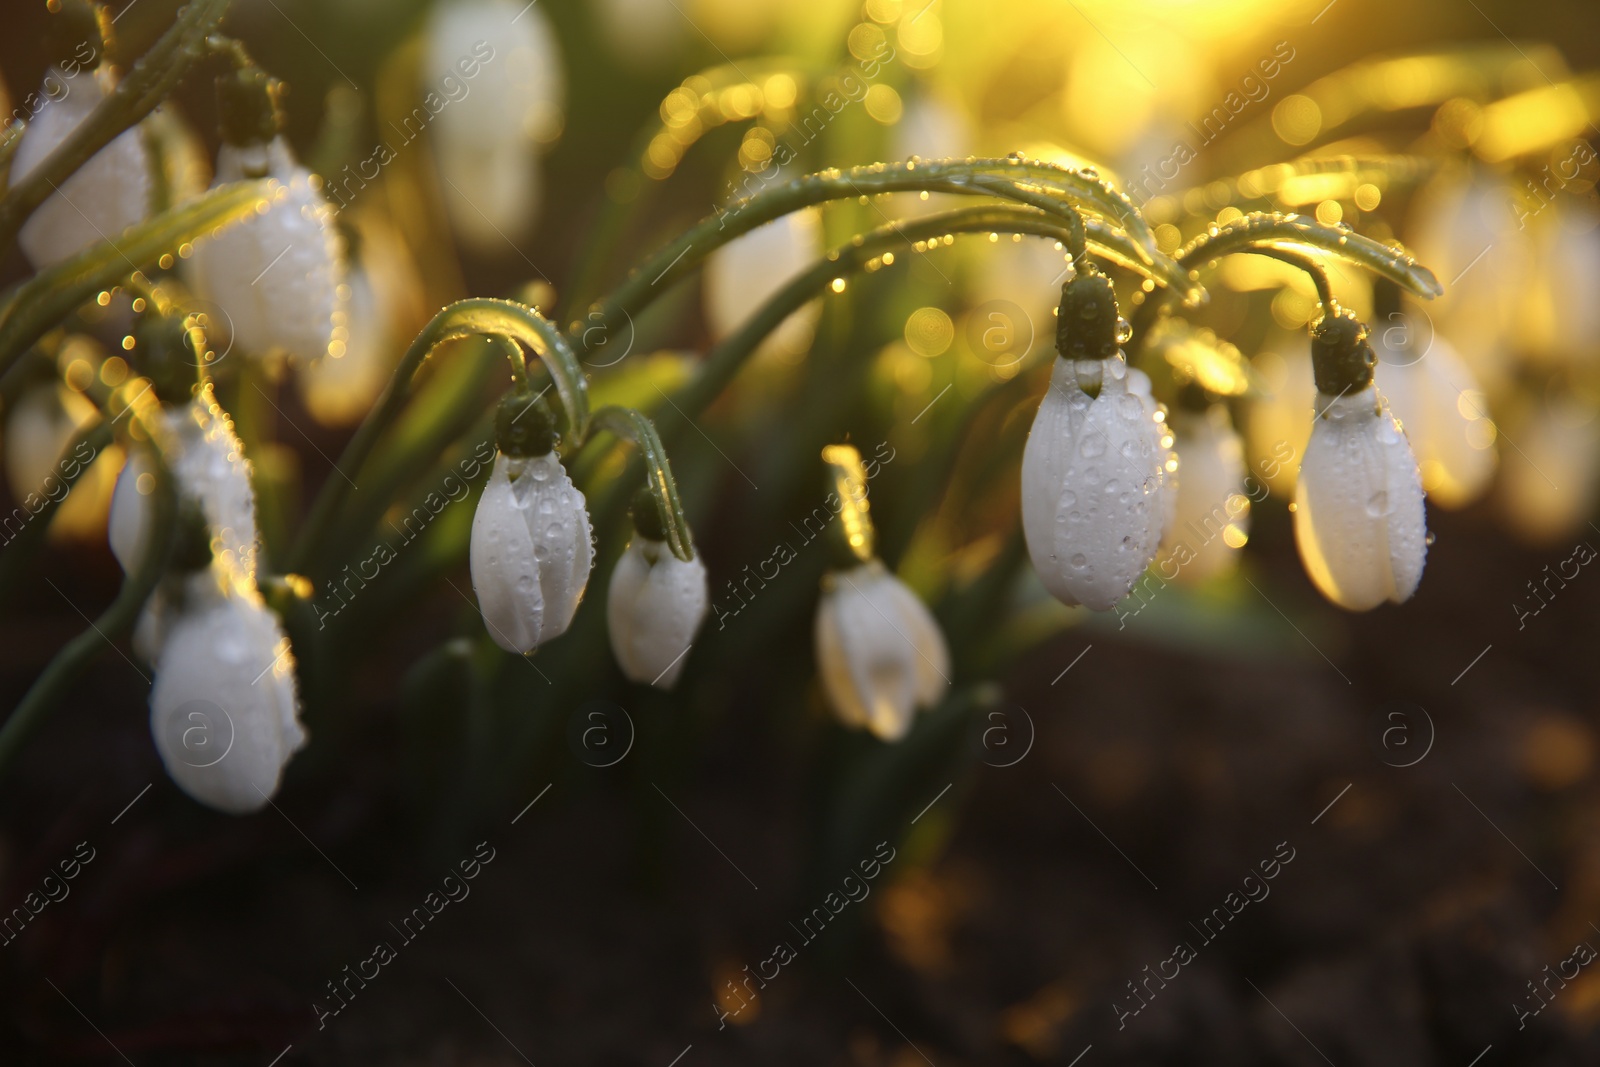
(1097,790)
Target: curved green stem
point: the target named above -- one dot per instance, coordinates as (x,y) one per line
(1314,271)
(518,324)
(153,77)
(634,426)
(1263,230)
(49,296)
(68,665)
(1009,179)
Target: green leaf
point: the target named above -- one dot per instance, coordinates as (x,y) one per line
(49,296)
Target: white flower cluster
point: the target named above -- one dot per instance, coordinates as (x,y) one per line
(1103,493)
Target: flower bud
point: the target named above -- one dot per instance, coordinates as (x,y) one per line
(879,651)
(531,552)
(278,277)
(103,197)
(1359,519)
(223,708)
(1096,476)
(654,607)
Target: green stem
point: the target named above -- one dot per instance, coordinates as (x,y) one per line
(1300,232)
(49,296)
(70,663)
(1009,179)
(636,427)
(499,318)
(154,75)
(1318,276)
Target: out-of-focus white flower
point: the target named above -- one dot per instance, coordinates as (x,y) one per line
(1359,519)
(104,197)
(654,607)
(223,708)
(743,274)
(1212,520)
(879,650)
(487,139)
(531,551)
(1096,474)
(1548,482)
(279,277)
(208,465)
(38,458)
(384,296)
(1468,232)
(1558,317)
(1445,415)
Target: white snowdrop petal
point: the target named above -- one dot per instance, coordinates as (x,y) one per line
(1094,484)
(880,653)
(654,607)
(1359,518)
(104,197)
(531,551)
(223,708)
(277,278)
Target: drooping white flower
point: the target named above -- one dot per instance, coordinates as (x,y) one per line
(277,278)
(654,607)
(531,552)
(39,456)
(385,295)
(104,197)
(487,135)
(1467,230)
(879,651)
(223,707)
(745,273)
(1445,415)
(1359,519)
(1096,473)
(1212,518)
(208,463)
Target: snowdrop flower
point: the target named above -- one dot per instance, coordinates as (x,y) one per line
(531,549)
(656,602)
(745,273)
(1358,513)
(107,194)
(208,463)
(384,295)
(487,139)
(1457,219)
(1212,513)
(879,650)
(278,277)
(1436,397)
(223,707)
(1098,465)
